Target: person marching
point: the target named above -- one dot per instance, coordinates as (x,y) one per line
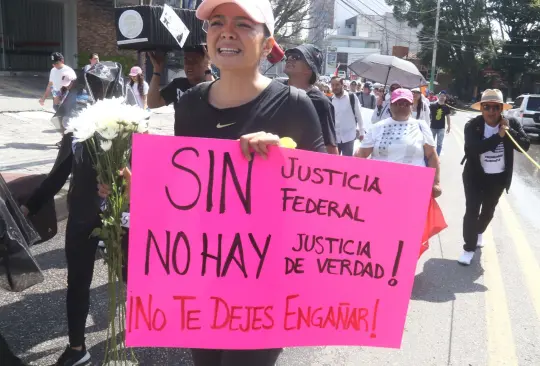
(240,106)
(420,106)
(367,98)
(303,65)
(139,86)
(440,112)
(489,165)
(349,123)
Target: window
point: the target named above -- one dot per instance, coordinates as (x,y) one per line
(340,43)
(533,104)
(517,102)
(357,44)
(373,45)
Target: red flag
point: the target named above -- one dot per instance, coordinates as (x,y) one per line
(435,223)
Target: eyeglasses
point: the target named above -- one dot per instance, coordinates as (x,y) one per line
(205,26)
(491,107)
(294,57)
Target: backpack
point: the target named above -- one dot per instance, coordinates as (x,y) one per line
(351,100)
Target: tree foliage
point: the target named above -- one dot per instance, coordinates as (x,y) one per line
(293,17)
(470,38)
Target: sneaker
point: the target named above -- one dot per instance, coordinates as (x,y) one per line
(466,258)
(479,242)
(72,357)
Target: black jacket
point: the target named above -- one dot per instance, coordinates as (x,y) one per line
(475,145)
(83,200)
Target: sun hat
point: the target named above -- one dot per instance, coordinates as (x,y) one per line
(400,94)
(491,96)
(259,11)
(135,70)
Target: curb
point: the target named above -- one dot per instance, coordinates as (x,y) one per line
(60,200)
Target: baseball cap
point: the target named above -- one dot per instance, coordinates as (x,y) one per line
(400,94)
(310,54)
(57,56)
(135,70)
(259,11)
(416,90)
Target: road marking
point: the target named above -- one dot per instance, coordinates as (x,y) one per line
(501,345)
(527,263)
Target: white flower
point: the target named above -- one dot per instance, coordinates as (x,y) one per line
(105,145)
(109,133)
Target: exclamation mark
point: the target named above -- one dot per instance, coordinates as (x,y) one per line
(392,282)
(374,322)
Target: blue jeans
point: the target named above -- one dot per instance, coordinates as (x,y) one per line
(438,136)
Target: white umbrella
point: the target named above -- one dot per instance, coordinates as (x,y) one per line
(382,68)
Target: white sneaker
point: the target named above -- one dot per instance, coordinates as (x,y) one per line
(479,242)
(466,258)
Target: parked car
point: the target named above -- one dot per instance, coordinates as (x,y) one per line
(527,111)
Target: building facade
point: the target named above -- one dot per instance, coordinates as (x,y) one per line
(30,30)
(341,51)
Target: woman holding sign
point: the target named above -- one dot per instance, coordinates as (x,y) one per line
(240,106)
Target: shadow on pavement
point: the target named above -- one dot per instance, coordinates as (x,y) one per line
(441,279)
(28,146)
(39,318)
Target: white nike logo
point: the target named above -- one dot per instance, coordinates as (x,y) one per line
(223,126)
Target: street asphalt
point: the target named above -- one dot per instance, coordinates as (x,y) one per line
(484,314)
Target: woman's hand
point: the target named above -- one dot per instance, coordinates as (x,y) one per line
(436,191)
(258,142)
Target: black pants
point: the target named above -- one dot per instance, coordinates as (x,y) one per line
(80,256)
(481,197)
(259,357)
(346,148)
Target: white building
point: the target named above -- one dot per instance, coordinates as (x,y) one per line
(357,28)
(342,51)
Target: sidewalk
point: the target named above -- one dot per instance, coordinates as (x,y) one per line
(28,138)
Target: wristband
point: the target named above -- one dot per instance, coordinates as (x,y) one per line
(157,73)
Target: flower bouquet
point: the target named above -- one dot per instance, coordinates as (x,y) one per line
(106,128)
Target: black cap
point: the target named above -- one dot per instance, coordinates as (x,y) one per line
(367,84)
(57,56)
(311,55)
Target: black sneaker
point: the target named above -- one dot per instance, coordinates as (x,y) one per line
(72,357)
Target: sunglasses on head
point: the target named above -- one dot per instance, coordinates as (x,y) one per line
(491,107)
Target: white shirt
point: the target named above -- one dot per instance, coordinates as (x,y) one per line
(399,141)
(493,161)
(425,112)
(138,97)
(346,121)
(61,77)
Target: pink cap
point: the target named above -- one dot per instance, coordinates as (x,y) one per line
(135,70)
(259,11)
(401,93)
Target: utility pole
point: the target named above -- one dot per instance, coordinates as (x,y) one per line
(435,42)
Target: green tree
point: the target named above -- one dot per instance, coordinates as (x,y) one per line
(519,51)
(464,37)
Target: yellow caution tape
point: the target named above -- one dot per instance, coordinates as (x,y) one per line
(523,151)
(511,138)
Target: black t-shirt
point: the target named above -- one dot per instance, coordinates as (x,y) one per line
(275,110)
(172,92)
(438,115)
(326,113)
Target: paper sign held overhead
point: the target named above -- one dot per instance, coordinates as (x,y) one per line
(174,25)
(300,249)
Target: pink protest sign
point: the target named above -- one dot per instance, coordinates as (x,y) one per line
(301,249)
